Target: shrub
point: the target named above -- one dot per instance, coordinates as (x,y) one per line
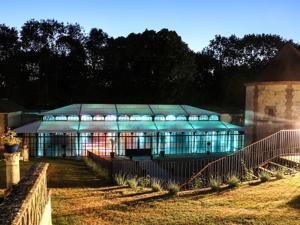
(279,174)
(197,183)
(133,183)
(247,173)
(233,182)
(215,184)
(96,168)
(264,176)
(156,185)
(173,188)
(145,181)
(120,179)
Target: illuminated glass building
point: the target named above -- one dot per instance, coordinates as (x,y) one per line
(130,130)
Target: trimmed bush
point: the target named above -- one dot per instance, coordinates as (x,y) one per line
(197,183)
(264,176)
(120,179)
(156,185)
(144,181)
(133,183)
(279,174)
(247,173)
(173,188)
(233,182)
(215,184)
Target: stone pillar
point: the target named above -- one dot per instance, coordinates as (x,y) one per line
(12,165)
(25,153)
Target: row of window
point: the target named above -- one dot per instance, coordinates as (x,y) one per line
(133,117)
(104,143)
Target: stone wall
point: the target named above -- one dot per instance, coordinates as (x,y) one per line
(270,107)
(3,122)
(29,201)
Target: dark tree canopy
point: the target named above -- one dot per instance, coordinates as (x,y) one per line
(49,63)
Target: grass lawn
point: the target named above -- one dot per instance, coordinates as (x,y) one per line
(79,197)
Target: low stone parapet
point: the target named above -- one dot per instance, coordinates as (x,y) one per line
(29,201)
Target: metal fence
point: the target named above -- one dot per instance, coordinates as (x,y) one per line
(282,143)
(165,169)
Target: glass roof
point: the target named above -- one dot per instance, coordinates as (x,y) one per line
(191,110)
(213,125)
(66,110)
(173,126)
(124,126)
(135,109)
(136,126)
(98,109)
(98,126)
(128,109)
(167,110)
(58,127)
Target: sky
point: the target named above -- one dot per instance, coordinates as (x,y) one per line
(196,21)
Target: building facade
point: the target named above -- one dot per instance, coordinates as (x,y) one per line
(273,103)
(130,130)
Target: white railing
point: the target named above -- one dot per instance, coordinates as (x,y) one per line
(284,142)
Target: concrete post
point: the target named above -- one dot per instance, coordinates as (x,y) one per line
(25,153)
(12,169)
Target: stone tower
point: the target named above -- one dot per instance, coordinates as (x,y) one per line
(274,103)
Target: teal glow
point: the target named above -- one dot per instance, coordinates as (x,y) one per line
(203,117)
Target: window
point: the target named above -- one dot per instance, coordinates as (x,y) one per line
(193,117)
(60,118)
(98,117)
(213,117)
(86,117)
(170,117)
(48,118)
(203,117)
(181,117)
(110,118)
(270,111)
(159,117)
(73,118)
(124,117)
(145,117)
